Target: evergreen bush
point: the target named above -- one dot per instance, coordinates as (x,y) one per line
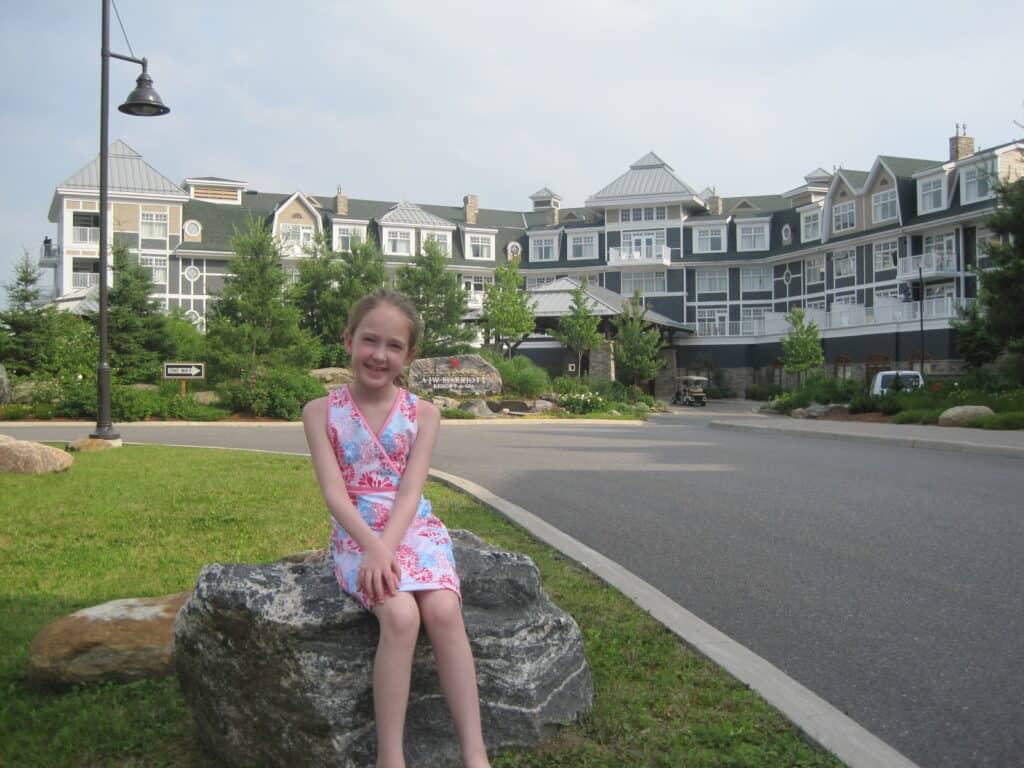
(276,394)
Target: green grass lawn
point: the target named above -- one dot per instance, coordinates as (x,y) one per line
(142,521)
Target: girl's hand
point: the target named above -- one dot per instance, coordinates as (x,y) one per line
(379,574)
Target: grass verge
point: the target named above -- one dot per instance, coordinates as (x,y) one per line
(143,520)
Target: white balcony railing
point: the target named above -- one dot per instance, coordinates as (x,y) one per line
(85,235)
(84,279)
(931,264)
(841,316)
(475,299)
(632,257)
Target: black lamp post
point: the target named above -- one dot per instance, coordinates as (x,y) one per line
(143,101)
(920,277)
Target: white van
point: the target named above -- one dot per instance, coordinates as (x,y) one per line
(883,381)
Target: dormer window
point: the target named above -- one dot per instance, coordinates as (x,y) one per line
(295,237)
(883,206)
(810,226)
(443,240)
(976,184)
(844,216)
(480,247)
(709,239)
(930,194)
(752,237)
(542,249)
(397,242)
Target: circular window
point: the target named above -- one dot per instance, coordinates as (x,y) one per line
(192,273)
(787,232)
(514,249)
(192,228)
(787,276)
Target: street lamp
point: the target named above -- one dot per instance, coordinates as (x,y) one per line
(145,102)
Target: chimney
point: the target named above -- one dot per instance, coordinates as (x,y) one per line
(470,207)
(553,213)
(961,145)
(341,203)
(714,202)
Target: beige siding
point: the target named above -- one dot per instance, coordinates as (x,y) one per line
(296,213)
(126,217)
(91,205)
(174,219)
(674,213)
(1011,166)
(73,205)
(215,193)
(192,238)
(612,216)
(882,184)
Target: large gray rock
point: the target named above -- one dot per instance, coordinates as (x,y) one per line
(5,386)
(276,663)
(459,375)
(28,458)
(478,408)
(332,378)
(960,415)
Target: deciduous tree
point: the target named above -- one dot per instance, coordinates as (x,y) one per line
(638,343)
(508,312)
(801,347)
(578,330)
(440,300)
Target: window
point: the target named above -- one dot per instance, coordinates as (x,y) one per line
(157,266)
(939,253)
(477,283)
(193,228)
(844,263)
(648,214)
(888,295)
(752,320)
(638,214)
(295,236)
(441,238)
(712,322)
(845,300)
(930,195)
(753,237)
(844,216)
(756,278)
(712,281)
(885,254)
(85,228)
(659,213)
(399,242)
(815,304)
(481,247)
(883,206)
(625,214)
(645,282)
(345,238)
(810,226)
(643,243)
(814,269)
(976,184)
(709,239)
(543,249)
(154,226)
(536,282)
(582,246)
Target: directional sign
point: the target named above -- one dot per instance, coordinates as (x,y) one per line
(184,370)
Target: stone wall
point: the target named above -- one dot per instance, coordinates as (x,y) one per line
(665,380)
(602,361)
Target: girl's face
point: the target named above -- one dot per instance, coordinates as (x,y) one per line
(379,347)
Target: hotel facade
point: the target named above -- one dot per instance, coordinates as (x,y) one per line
(867,253)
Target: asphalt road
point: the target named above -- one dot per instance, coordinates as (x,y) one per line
(887,580)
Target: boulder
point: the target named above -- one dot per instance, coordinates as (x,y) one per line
(206,397)
(504,406)
(276,663)
(543,406)
(144,387)
(444,402)
(459,375)
(26,392)
(5,386)
(332,378)
(478,408)
(28,458)
(7,439)
(961,414)
(89,444)
(120,640)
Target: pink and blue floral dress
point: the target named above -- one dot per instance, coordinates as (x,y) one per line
(372,466)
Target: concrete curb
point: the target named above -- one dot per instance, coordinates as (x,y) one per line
(955,446)
(819,720)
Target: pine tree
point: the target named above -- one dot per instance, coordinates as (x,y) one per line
(638,343)
(801,347)
(507,313)
(24,327)
(441,302)
(578,330)
(135,321)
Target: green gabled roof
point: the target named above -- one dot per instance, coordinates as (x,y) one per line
(907,166)
(760,203)
(856,178)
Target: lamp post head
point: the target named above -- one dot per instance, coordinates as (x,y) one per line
(144,101)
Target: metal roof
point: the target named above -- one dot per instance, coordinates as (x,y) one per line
(414,216)
(554,299)
(126,172)
(650,175)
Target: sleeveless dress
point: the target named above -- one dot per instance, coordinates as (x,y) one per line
(372,466)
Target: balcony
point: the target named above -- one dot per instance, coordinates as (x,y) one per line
(85,235)
(84,279)
(653,256)
(933,265)
(49,256)
(475,299)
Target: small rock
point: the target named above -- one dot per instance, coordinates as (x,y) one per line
(332,378)
(87,444)
(478,408)
(444,402)
(543,406)
(206,397)
(961,414)
(144,387)
(798,413)
(28,458)
(120,640)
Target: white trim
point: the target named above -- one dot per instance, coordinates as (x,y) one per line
(840,209)
(354,231)
(844,256)
(535,245)
(920,193)
(764,273)
(814,262)
(483,236)
(437,235)
(987,169)
(877,251)
(403,234)
(121,193)
(722,230)
(891,198)
(753,226)
(804,238)
(704,274)
(593,249)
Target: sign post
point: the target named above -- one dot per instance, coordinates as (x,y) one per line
(185,372)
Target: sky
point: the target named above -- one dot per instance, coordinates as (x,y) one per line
(430,101)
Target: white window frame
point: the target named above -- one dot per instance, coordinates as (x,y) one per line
(547,245)
(708,234)
(885,255)
(350,232)
(660,214)
(756,278)
(392,236)
(941,246)
(708,281)
(751,237)
(814,264)
(889,292)
(818,304)
(442,238)
(648,282)
(884,206)
(931,194)
(806,231)
(587,244)
(712,317)
(844,263)
(535,281)
(651,242)
(482,241)
(295,237)
(624,214)
(752,319)
(150,222)
(157,266)
(845,300)
(975,180)
(844,216)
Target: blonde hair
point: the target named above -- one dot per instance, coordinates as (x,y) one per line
(399,301)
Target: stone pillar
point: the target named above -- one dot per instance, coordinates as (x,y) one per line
(341,203)
(470,206)
(665,380)
(602,361)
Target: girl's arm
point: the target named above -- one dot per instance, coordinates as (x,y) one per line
(411,487)
(381,569)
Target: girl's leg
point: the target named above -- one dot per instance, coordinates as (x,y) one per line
(442,616)
(399,618)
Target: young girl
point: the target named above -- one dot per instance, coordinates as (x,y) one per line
(371,443)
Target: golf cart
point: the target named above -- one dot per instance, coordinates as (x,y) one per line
(690,391)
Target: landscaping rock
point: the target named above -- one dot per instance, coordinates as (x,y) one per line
(444,402)
(478,408)
(332,378)
(459,374)
(543,406)
(144,387)
(502,406)
(5,386)
(206,397)
(28,458)
(89,444)
(276,663)
(7,439)
(120,640)
(961,414)
(24,392)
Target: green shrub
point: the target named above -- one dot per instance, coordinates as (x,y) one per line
(43,410)
(520,376)
(1005,420)
(585,402)
(790,401)
(612,391)
(176,407)
(892,403)
(77,399)
(716,392)
(130,404)
(762,392)
(864,403)
(456,413)
(566,385)
(277,394)
(15,412)
(918,416)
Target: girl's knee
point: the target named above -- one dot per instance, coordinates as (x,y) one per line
(399,616)
(440,609)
